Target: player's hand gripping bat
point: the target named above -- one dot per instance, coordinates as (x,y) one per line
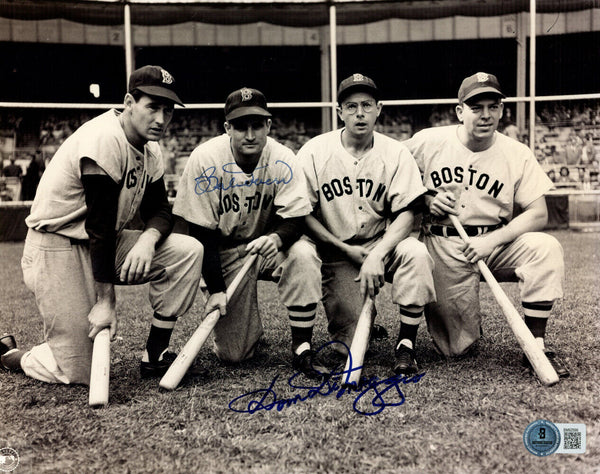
(540,363)
(189,352)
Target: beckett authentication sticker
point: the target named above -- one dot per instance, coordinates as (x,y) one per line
(572,438)
(541,438)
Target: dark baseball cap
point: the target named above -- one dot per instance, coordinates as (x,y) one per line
(479,83)
(246,101)
(355,83)
(155,81)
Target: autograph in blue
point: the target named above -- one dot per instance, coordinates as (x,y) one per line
(208,182)
(373,395)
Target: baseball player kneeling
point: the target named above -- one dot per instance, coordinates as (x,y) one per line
(78,245)
(240,194)
(363,188)
(479,175)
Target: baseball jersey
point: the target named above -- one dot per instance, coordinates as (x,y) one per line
(486,184)
(59,204)
(215,193)
(356,196)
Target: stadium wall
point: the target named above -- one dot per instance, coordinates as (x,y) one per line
(393,30)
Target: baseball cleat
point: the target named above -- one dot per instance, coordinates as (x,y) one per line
(10,356)
(157,368)
(406,364)
(7,343)
(557,363)
(378,332)
(306,362)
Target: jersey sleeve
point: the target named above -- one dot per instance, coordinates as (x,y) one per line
(534,182)
(197,200)
(291,199)
(415,146)
(306,166)
(104,148)
(406,184)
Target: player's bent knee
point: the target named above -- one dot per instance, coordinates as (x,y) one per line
(304,254)
(234,357)
(545,247)
(412,249)
(186,246)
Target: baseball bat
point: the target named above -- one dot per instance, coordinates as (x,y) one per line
(540,363)
(189,352)
(360,341)
(100,370)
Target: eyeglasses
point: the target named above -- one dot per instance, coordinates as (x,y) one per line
(352,107)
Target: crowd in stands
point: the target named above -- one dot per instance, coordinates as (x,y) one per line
(568,144)
(567,137)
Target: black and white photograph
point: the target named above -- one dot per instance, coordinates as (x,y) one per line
(306,236)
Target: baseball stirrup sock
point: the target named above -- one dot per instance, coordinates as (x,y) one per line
(536,317)
(302,321)
(409,325)
(160,335)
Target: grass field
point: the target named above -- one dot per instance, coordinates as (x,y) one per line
(463,416)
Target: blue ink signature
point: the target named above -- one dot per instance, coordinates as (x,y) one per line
(208,182)
(374,395)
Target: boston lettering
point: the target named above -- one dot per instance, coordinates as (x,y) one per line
(366,188)
(471,177)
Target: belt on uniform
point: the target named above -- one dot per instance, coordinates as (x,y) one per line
(471,230)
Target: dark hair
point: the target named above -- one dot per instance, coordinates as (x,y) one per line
(137,94)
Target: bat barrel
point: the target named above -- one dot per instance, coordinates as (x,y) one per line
(186,356)
(100,369)
(360,341)
(540,363)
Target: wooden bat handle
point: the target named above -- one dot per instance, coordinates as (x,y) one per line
(540,363)
(186,356)
(360,341)
(100,369)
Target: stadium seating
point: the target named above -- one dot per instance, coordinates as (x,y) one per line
(567,134)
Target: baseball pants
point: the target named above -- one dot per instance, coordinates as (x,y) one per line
(59,272)
(237,333)
(534,259)
(408,268)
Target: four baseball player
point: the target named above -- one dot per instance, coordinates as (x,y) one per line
(352,192)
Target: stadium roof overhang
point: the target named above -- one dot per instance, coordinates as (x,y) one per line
(305,13)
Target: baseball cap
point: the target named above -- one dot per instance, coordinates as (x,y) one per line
(245,101)
(354,83)
(479,83)
(154,80)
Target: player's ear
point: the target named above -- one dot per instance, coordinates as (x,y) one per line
(459,112)
(379,106)
(129,100)
(339,112)
(501,109)
(227,127)
(268,123)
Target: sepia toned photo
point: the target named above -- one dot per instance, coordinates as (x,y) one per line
(299,236)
